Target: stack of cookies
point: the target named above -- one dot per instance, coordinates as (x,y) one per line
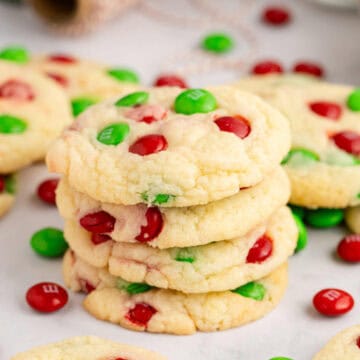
(174,207)
(324,162)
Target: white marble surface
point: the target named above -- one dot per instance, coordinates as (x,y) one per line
(293,329)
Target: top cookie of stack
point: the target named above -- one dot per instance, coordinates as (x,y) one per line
(172,148)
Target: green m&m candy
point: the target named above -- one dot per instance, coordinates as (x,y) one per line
(10,124)
(132,288)
(300,157)
(49,242)
(10,184)
(297,210)
(185,255)
(253,290)
(194,101)
(302,234)
(79,105)
(137,288)
(218,43)
(15,53)
(114,134)
(280,358)
(158,199)
(324,218)
(162,199)
(124,75)
(133,99)
(353,100)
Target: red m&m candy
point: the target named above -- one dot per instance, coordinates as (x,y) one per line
(333,302)
(276,15)
(349,248)
(141,314)
(309,68)
(267,67)
(46,297)
(98,239)
(86,286)
(358,342)
(148,144)
(100,222)
(16,90)
(146,113)
(326,109)
(62,58)
(348,141)
(153,227)
(2,184)
(46,191)
(61,80)
(170,80)
(260,251)
(234,124)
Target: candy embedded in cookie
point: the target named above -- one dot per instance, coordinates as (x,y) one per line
(33,112)
(325,129)
(195,132)
(193,269)
(16,54)
(85,83)
(142,308)
(182,227)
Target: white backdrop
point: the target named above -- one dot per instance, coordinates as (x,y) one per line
(147,44)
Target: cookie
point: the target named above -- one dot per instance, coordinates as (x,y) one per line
(267,85)
(33,112)
(85,82)
(343,346)
(143,308)
(352,219)
(7,193)
(87,348)
(180,227)
(213,267)
(324,162)
(169,147)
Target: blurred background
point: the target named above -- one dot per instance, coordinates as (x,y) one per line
(157,36)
